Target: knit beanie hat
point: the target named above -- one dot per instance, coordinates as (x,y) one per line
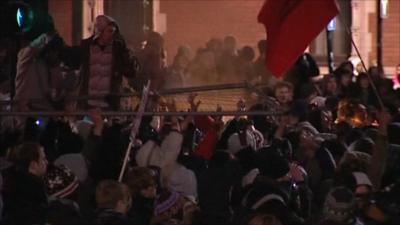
(271,163)
(60,181)
(340,206)
(166,201)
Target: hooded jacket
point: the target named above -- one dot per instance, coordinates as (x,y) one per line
(123,63)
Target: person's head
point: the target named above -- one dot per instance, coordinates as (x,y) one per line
(375,72)
(298,112)
(345,79)
(185,51)
(262,46)
(330,84)
(215,45)
(357,182)
(363,81)
(61,182)
(52,52)
(113,195)
(277,167)
(155,42)
(31,158)
(105,29)
(230,44)
(247,53)
(141,181)
(181,62)
(344,76)
(347,65)
(352,112)
(107,35)
(340,206)
(283,92)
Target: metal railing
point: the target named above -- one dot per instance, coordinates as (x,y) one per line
(121,113)
(168,92)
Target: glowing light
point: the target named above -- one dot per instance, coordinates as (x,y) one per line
(20,17)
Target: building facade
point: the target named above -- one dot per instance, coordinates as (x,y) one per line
(194,22)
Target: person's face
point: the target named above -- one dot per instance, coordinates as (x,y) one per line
(284,95)
(39,167)
(107,36)
(126,104)
(124,205)
(183,62)
(348,67)
(331,85)
(362,193)
(307,144)
(230,45)
(345,80)
(150,192)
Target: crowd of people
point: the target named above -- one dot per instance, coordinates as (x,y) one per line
(329,156)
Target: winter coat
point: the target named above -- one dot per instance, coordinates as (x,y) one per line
(25,200)
(110,217)
(32,80)
(141,211)
(123,64)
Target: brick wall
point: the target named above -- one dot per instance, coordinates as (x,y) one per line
(391,35)
(61,11)
(194,22)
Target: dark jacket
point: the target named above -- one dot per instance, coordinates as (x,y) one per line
(25,200)
(217,189)
(110,217)
(124,64)
(141,211)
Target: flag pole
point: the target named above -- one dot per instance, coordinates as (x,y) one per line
(135,128)
(375,90)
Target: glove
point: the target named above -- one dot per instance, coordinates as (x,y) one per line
(42,40)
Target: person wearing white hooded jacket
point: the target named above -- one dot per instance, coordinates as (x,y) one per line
(174,175)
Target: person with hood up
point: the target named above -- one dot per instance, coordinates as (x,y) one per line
(106,60)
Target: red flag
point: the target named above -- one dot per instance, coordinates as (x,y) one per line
(291,25)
